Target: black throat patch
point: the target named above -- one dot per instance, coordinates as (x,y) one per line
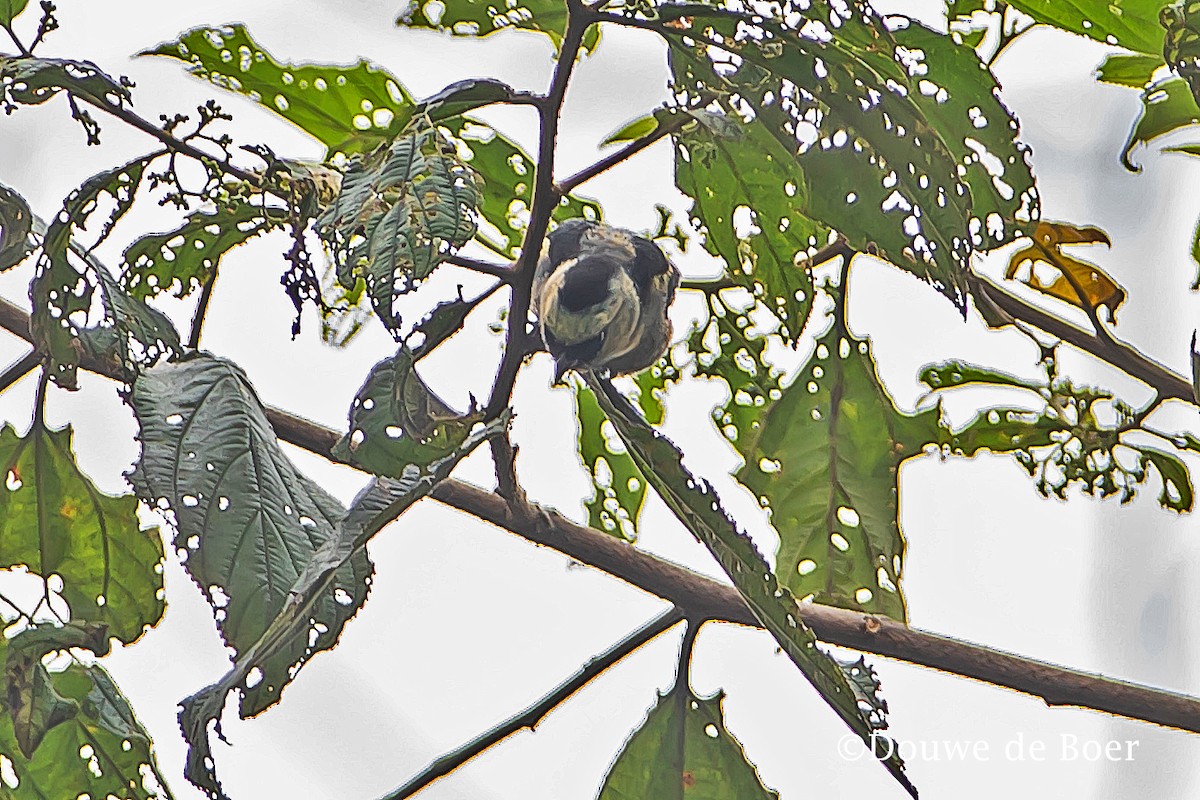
(586,283)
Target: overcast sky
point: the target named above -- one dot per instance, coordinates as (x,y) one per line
(467,624)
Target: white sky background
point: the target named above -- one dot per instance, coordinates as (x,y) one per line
(466,624)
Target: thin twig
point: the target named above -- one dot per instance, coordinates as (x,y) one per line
(541,206)
(171,143)
(1170,384)
(502,271)
(664,129)
(530,717)
(201,311)
(19,369)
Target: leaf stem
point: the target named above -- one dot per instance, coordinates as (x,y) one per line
(21,47)
(201,311)
(531,716)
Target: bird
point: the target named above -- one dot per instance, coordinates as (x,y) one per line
(601,296)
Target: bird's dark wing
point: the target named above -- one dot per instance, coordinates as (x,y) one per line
(648,263)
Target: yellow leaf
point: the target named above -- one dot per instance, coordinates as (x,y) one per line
(1057,274)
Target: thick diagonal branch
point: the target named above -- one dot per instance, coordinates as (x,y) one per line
(702,597)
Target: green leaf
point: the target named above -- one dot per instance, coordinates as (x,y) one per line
(506,188)
(462,96)
(96,746)
(397,421)
(694,503)
(33,703)
(952,374)
(446,319)
(129,334)
(60,310)
(713,765)
(824,458)
(652,386)
(11,9)
(179,261)
(896,139)
(1177,493)
(481,18)
(731,171)
(398,215)
(1167,105)
(1132,24)
(1128,69)
(348,108)
(1186,149)
(376,506)
(16,223)
(33,81)
(247,522)
(618,489)
(55,521)
(635,129)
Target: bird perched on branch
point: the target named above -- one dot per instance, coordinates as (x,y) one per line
(601,296)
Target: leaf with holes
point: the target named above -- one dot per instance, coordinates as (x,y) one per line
(348,108)
(618,489)
(899,139)
(506,171)
(16,222)
(397,216)
(1072,280)
(179,261)
(33,81)
(128,334)
(60,308)
(480,18)
(824,458)
(1167,106)
(952,374)
(247,522)
(683,749)
(1132,24)
(748,200)
(396,421)
(55,521)
(95,746)
(1063,435)
(374,507)
(131,335)
(1177,493)
(695,504)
